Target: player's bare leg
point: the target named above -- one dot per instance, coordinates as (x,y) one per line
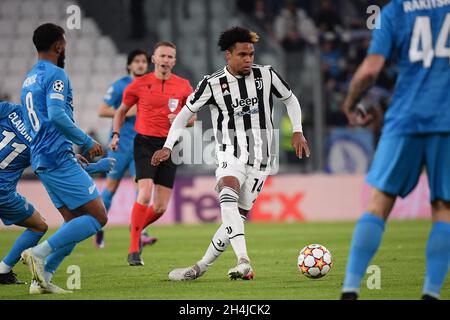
(110,189)
(380,203)
(36,228)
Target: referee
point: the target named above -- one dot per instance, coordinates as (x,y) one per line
(159,96)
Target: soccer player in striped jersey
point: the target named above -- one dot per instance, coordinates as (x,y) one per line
(240,97)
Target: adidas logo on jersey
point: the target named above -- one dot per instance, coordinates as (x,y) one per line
(249,102)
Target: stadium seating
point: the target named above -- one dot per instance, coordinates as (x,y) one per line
(92,59)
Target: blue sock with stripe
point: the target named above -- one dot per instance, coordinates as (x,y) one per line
(438,258)
(26,240)
(366,240)
(107,198)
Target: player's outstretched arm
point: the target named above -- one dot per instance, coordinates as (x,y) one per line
(119,119)
(192,121)
(178,125)
(299,142)
(106,111)
(364,78)
(70,130)
(294,110)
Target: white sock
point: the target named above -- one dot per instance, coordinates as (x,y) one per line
(48,276)
(232,221)
(4,268)
(218,245)
(42,250)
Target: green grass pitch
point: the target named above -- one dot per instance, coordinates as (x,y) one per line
(273,249)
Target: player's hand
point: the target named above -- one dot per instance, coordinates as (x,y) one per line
(104,165)
(114,145)
(299,143)
(96,150)
(160,156)
(171,117)
(358,116)
(81,160)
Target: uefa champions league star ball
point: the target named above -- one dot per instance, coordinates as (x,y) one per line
(315,261)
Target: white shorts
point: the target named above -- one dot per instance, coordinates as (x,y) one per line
(251,180)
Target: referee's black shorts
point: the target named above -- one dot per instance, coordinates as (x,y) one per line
(144,148)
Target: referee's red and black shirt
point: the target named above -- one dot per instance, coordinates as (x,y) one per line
(152,97)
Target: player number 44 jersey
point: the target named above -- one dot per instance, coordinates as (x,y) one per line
(417,33)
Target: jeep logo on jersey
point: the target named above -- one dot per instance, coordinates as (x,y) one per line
(248,102)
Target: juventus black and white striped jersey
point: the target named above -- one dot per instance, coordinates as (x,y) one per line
(241,111)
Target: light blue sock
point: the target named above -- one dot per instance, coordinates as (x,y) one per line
(366,240)
(53,261)
(438,258)
(107,198)
(72,232)
(26,240)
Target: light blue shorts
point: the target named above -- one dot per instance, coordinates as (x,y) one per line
(124,161)
(68,185)
(14,208)
(399,161)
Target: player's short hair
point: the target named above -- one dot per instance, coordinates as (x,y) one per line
(230,37)
(46,35)
(164,44)
(133,54)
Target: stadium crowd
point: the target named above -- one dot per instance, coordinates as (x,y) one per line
(343,41)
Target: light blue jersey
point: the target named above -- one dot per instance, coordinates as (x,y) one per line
(113,98)
(48,107)
(416,132)
(14,159)
(47,97)
(14,146)
(418,33)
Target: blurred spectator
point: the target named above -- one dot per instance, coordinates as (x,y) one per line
(262,15)
(138,19)
(327,18)
(293,20)
(293,42)
(332,58)
(246,6)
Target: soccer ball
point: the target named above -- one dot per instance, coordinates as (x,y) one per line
(315,261)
